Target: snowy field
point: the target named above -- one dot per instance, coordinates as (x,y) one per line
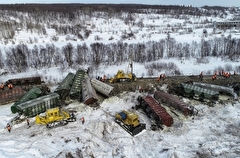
(214,132)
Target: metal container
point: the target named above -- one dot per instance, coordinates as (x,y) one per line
(174,102)
(89,95)
(102,87)
(154,110)
(11,95)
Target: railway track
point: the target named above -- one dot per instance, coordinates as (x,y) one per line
(150,84)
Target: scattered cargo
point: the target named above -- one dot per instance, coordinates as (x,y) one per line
(89,94)
(174,102)
(155,111)
(56,117)
(129,121)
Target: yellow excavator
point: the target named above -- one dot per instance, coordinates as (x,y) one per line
(122,76)
(129,121)
(56,117)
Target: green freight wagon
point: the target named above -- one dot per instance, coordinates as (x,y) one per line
(38,105)
(75,92)
(192,91)
(31,94)
(65,86)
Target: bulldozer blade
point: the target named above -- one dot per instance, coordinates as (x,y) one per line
(138,129)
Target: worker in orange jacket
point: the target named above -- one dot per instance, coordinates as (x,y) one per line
(8,127)
(83,120)
(2,86)
(214,77)
(10,86)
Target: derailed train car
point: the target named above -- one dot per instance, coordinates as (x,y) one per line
(75,92)
(31,94)
(25,81)
(102,87)
(174,102)
(193,91)
(155,111)
(12,95)
(38,105)
(65,86)
(89,95)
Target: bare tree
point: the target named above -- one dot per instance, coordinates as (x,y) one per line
(68,54)
(16,59)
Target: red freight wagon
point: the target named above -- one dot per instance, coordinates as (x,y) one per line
(154,110)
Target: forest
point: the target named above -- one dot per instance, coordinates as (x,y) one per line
(73,20)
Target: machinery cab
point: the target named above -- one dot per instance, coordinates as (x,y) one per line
(53,115)
(127,118)
(129,122)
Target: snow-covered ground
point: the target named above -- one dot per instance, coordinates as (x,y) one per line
(214,132)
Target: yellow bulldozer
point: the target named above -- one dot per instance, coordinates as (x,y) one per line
(122,76)
(129,121)
(56,117)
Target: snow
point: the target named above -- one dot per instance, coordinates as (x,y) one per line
(214,132)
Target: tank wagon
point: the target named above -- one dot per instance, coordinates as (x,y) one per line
(25,81)
(102,87)
(174,102)
(193,91)
(12,95)
(38,105)
(155,111)
(89,94)
(64,87)
(75,92)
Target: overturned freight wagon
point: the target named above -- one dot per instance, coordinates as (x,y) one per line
(218,88)
(193,91)
(102,87)
(33,93)
(63,89)
(89,95)
(155,111)
(7,96)
(76,89)
(25,81)
(38,105)
(174,102)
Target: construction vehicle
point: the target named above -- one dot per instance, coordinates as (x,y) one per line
(122,76)
(129,121)
(56,117)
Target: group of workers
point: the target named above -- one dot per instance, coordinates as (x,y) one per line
(9,127)
(220,73)
(2,86)
(103,79)
(162,77)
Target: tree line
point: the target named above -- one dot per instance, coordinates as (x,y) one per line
(72,18)
(19,58)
